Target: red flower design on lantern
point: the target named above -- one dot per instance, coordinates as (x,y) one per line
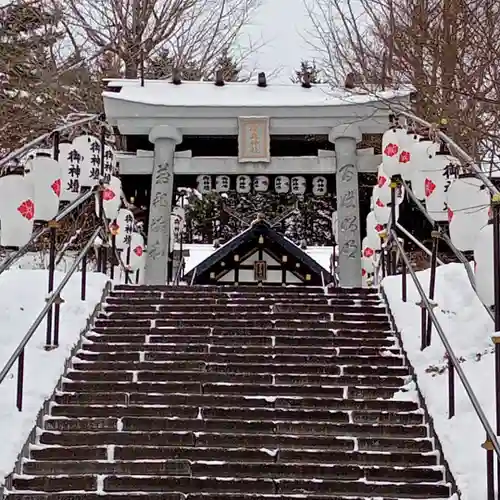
(379,228)
(450,214)
(429,187)
(138,251)
(108,194)
(363,272)
(490,213)
(56,187)
(381,181)
(404,157)
(27,209)
(391,150)
(379,203)
(368,252)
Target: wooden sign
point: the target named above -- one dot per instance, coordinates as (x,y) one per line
(253,139)
(260,270)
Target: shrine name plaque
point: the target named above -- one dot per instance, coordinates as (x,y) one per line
(260,270)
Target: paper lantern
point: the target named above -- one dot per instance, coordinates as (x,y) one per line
(382,210)
(111,198)
(436,183)
(421,160)
(392,145)
(45,176)
(483,268)
(243,184)
(222,183)
(69,160)
(384,188)
(17,211)
(281,184)
(468,205)
(89,149)
(125,227)
(319,185)
(260,183)
(406,154)
(298,184)
(367,261)
(373,230)
(137,255)
(204,184)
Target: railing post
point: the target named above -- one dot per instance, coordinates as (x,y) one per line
(100,200)
(432,281)
(56,138)
(451,387)
(404,285)
(423,324)
(490,472)
(20,381)
(53,225)
(83,290)
(395,180)
(57,317)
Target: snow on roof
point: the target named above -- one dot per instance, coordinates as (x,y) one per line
(197,94)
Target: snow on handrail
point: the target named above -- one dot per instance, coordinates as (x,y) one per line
(19,351)
(41,231)
(458,254)
(43,137)
(458,150)
(449,350)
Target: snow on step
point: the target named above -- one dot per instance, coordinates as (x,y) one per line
(342,426)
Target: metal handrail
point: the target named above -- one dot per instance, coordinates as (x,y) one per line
(458,254)
(450,142)
(43,137)
(42,230)
(449,350)
(19,351)
(177,276)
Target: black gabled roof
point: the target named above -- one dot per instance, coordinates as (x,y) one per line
(258,228)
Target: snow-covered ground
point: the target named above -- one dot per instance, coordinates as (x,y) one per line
(469,329)
(22,297)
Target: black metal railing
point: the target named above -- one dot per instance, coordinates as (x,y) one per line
(429,321)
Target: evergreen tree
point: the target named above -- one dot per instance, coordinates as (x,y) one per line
(308,68)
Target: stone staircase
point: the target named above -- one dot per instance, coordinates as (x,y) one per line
(235,394)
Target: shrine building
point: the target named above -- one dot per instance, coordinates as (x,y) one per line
(288,152)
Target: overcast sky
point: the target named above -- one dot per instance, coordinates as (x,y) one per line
(278,25)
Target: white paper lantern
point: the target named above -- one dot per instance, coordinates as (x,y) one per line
(281,184)
(373,230)
(483,268)
(406,153)
(392,145)
(125,224)
(109,163)
(17,211)
(137,253)
(204,184)
(367,262)
(382,210)
(45,176)
(319,186)
(422,155)
(384,184)
(111,198)
(222,183)
(467,193)
(435,184)
(260,183)
(298,185)
(89,148)
(243,184)
(70,161)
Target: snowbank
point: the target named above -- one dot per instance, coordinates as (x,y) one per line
(22,297)
(469,329)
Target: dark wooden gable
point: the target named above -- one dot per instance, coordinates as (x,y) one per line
(259,237)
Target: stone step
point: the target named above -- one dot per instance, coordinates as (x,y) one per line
(258,306)
(129,360)
(373,485)
(270,323)
(256,379)
(242,341)
(224,289)
(238,330)
(197,469)
(370,438)
(336,367)
(208,401)
(262,455)
(82,413)
(158,300)
(354,350)
(352,392)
